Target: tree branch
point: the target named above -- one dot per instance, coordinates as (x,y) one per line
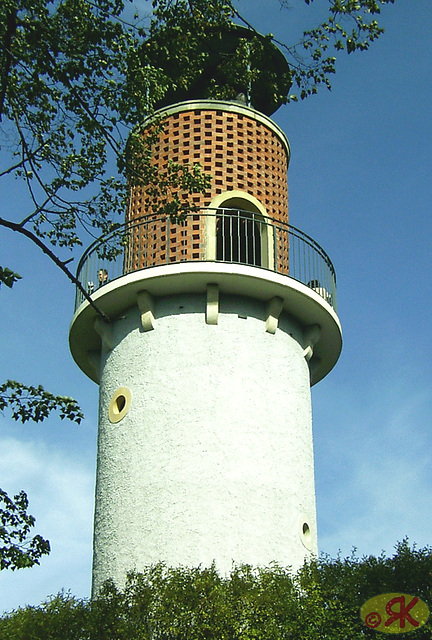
(13,226)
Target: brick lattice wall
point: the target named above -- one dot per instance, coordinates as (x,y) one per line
(240,153)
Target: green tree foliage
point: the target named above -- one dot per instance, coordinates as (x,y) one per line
(8,277)
(75,78)
(321,602)
(28,403)
(351,26)
(223,71)
(18,549)
(66,112)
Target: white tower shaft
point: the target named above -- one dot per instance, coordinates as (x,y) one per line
(220,323)
(213,458)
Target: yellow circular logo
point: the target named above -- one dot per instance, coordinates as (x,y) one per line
(394,613)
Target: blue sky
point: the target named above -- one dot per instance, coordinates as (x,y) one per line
(360,185)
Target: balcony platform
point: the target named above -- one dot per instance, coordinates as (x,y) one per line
(306,305)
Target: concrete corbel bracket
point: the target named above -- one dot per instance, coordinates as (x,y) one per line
(212,306)
(105,331)
(311,336)
(273,311)
(146,306)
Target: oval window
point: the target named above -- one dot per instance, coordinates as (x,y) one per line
(120,404)
(306,532)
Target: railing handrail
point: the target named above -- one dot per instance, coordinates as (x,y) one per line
(300,264)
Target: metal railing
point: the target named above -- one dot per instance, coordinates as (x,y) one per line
(218,235)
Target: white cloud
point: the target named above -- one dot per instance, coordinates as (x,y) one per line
(375,484)
(60,491)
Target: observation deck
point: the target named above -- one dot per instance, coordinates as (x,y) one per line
(240,251)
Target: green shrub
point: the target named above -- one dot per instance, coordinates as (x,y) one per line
(322,601)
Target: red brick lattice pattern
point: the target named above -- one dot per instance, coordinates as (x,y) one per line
(240,153)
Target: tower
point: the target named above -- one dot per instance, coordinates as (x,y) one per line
(219,325)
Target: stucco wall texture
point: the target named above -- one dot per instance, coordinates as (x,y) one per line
(214,459)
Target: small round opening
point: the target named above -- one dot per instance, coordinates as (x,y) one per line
(119,405)
(305,532)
